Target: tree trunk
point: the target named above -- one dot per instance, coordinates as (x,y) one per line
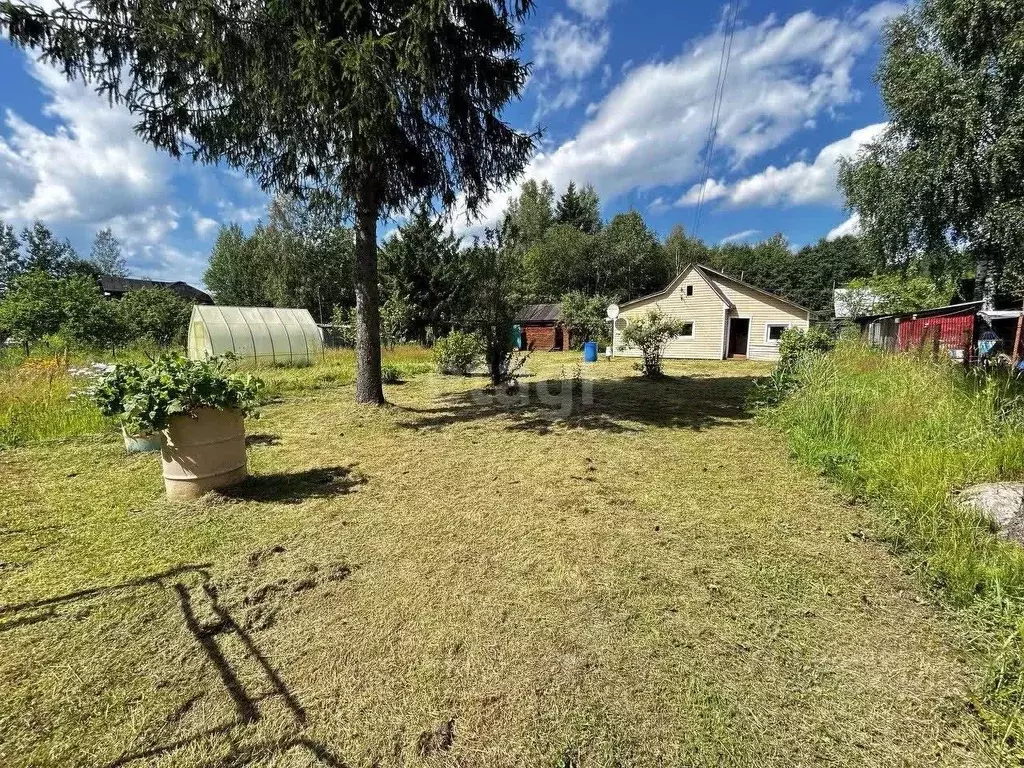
(368,377)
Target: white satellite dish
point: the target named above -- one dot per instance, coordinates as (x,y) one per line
(613,311)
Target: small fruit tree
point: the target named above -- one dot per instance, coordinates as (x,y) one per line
(650,334)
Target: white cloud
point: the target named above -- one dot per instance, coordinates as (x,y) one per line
(799,183)
(91,171)
(595,9)
(746,234)
(574,50)
(203,225)
(566,97)
(713,190)
(90,168)
(849,227)
(649,130)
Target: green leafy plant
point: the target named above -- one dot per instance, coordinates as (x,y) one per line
(343,326)
(797,350)
(145,397)
(797,345)
(155,314)
(391,374)
(650,334)
(458,353)
(585,317)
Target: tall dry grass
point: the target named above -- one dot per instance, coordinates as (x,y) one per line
(37,400)
(905,434)
(37,403)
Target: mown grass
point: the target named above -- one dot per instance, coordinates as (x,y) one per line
(646,580)
(906,433)
(337,367)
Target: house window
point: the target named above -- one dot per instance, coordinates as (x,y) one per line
(773,332)
(687,330)
(689,290)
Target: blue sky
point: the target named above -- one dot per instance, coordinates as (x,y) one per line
(621,88)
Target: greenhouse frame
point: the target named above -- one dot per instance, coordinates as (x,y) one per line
(260,335)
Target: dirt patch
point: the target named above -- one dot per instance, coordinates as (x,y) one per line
(437,739)
(273,577)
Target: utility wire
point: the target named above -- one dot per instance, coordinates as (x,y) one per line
(729,30)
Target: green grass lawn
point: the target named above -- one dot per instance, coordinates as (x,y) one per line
(452,581)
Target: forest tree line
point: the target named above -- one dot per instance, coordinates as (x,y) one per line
(557,248)
(48,293)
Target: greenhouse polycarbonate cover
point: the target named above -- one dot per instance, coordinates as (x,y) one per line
(263,335)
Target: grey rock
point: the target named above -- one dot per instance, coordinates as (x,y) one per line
(1001,503)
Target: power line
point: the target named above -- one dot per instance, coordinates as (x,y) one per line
(729,30)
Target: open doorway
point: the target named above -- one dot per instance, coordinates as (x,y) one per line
(739,337)
(559,338)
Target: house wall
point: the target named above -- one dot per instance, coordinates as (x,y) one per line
(708,312)
(704,309)
(763,310)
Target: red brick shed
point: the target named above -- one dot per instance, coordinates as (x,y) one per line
(542,328)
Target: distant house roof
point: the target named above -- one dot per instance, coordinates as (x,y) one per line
(539,313)
(118,286)
(848,302)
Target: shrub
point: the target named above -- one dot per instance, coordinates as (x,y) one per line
(390,374)
(145,397)
(394,317)
(72,309)
(343,326)
(586,318)
(650,334)
(797,349)
(458,353)
(797,345)
(155,314)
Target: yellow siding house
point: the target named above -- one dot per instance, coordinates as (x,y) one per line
(724,317)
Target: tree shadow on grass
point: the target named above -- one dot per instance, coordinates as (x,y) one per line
(52,603)
(610,405)
(244,670)
(295,487)
(262,439)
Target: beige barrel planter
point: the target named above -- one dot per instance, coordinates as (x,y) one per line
(203,451)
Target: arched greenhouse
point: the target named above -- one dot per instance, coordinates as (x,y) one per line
(261,335)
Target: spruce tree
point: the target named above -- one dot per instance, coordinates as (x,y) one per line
(365,107)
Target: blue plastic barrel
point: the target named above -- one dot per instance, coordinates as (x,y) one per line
(590,352)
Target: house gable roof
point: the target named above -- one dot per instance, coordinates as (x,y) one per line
(710,275)
(678,279)
(112,284)
(762,291)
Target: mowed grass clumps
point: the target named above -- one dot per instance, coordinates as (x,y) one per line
(906,433)
(644,579)
(337,368)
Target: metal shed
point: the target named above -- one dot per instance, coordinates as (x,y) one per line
(261,335)
(951,327)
